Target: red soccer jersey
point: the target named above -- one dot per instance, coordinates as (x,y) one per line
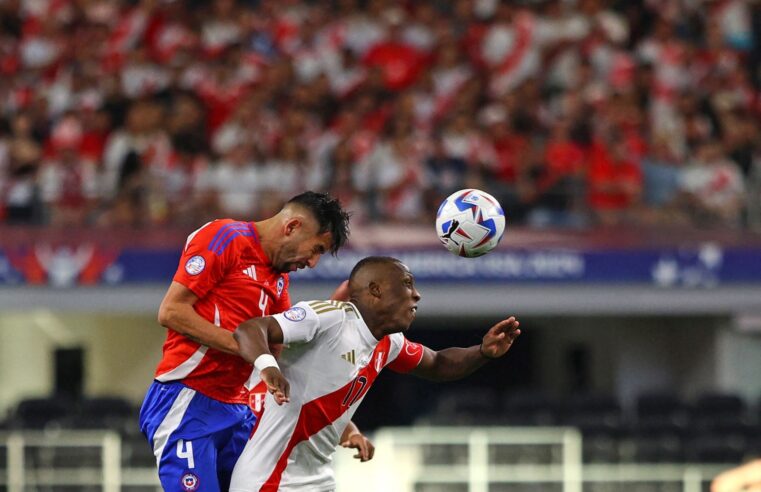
(224,265)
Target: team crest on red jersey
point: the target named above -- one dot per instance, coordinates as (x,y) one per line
(280,285)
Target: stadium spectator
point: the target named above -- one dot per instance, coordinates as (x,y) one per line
(661,174)
(713,186)
(614,181)
(497,81)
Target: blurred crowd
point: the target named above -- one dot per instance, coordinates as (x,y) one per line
(573,113)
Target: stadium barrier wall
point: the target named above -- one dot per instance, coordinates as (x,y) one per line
(399,463)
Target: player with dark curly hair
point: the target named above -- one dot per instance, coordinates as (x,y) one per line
(200,409)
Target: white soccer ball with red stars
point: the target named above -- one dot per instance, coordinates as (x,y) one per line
(470,223)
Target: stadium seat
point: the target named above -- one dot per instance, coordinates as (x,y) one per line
(530,408)
(39,413)
(601,442)
(526,487)
(717,409)
(104,413)
(716,448)
(653,441)
(77,457)
(591,410)
(474,406)
(662,408)
(136,452)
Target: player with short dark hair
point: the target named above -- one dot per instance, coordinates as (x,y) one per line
(333,353)
(196,414)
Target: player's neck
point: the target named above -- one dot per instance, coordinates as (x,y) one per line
(374,324)
(268,237)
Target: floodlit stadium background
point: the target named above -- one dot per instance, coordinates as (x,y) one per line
(622,139)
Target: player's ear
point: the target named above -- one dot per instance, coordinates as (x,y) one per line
(374,289)
(291,225)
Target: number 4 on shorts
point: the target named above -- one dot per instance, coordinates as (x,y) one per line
(185,451)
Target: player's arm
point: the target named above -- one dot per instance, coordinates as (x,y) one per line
(176,313)
(254,338)
(456,363)
(353,438)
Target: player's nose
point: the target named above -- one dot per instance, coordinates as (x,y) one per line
(313,260)
(416,295)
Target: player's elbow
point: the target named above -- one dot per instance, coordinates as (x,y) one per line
(167,314)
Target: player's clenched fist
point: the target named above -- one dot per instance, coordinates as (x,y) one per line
(500,338)
(276,384)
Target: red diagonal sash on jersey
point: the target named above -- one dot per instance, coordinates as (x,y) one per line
(323,411)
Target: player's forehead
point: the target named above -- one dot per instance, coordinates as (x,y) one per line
(403,270)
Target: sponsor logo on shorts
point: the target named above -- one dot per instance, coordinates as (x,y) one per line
(195,265)
(190,482)
(295,314)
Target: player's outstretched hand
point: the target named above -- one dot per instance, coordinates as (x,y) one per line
(276,384)
(500,338)
(342,292)
(365,448)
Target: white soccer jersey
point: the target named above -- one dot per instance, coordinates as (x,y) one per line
(330,359)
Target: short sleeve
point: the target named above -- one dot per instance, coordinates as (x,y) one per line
(209,253)
(404,356)
(304,321)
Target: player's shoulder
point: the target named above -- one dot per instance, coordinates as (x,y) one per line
(326,313)
(345,309)
(220,234)
(396,339)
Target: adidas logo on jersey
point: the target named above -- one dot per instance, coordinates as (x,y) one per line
(250,271)
(349,357)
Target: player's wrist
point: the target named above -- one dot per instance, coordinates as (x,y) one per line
(481,352)
(265,361)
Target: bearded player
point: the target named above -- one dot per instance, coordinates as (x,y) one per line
(196,413)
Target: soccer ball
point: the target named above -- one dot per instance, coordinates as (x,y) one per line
(470,223)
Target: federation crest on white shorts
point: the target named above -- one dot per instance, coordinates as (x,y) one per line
(195,265)
(295,314)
